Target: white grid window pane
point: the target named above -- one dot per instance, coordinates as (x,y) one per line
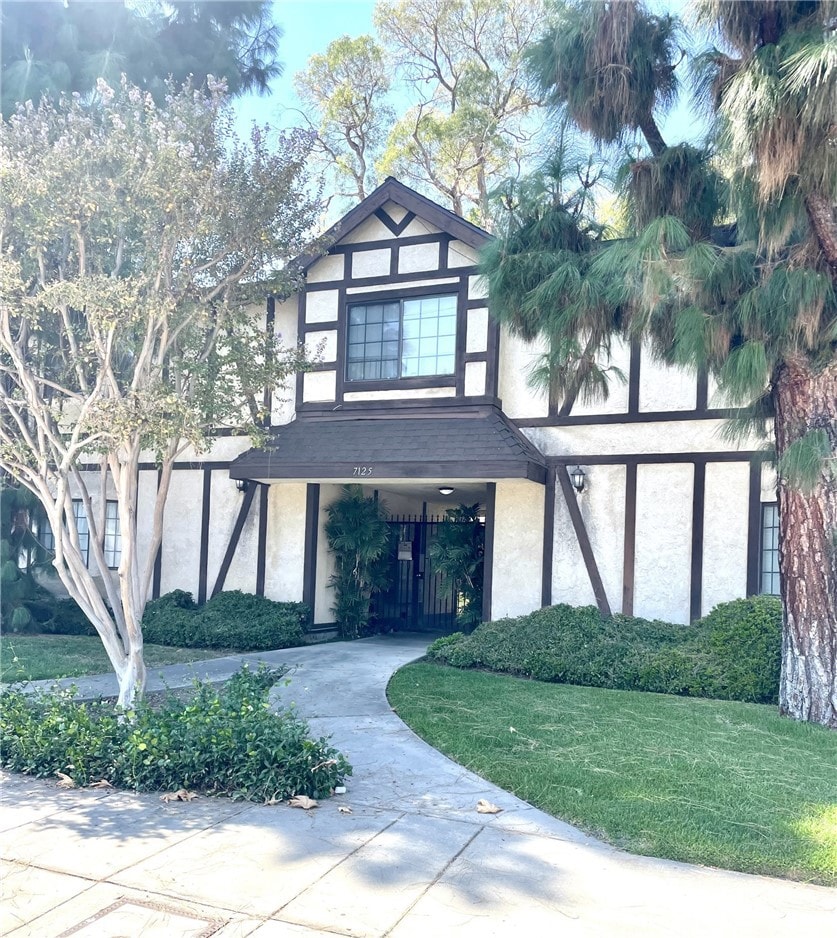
(83,531)
(113,536)
(430,327)
(770,549)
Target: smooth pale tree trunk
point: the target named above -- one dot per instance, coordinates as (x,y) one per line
(807,400)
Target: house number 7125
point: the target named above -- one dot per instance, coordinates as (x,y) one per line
(362,471)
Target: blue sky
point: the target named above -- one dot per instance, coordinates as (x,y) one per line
(310,25)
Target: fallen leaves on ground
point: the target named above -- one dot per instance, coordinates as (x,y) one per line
(102,783)
(487,807)
(303,801)
(344,809)
(64,781)
(181,794)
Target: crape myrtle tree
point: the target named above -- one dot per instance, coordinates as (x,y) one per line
(134,240)
(731,262)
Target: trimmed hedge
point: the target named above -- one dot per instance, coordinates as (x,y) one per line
(224,741)
(732,654)
(229,620)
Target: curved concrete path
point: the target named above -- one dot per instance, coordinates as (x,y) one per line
(411,858)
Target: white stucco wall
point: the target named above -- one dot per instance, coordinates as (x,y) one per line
(518,548)
(323,595)
(285,555)
(322,344)
(374,263)
(663,542)
(225,504)
(476,333)
(369,230)
(516,361)
(475,375)
(461,255)
(146,496)
(319,385)
(671,436)
(182,532)
(477,287)
(662,387)
(396,394)
(321,306)
(725,533)
(432,283)
(328,268)
(602,506)
(413,258)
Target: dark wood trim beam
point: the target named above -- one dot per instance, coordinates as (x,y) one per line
(583,540)
(548,538)
(629,550)
(647,416)
(702,392)
(488,554)
(396,227)
(309,566)
(261,555)
(232,545)
(698,514)
(754,527)
(158,559)
(624,459)
(206,496)
(634,376)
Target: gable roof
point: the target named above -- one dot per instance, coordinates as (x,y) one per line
(391,190)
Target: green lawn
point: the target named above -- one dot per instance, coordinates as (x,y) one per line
(34,657)
(720,783)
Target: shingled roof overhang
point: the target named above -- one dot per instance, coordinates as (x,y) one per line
(481,445)
(391,190)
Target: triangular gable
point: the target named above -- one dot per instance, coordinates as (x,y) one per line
(415,205)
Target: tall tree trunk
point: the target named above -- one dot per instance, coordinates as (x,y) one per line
(807,400)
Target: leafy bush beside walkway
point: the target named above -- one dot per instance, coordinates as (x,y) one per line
(223,741)
(722,783)
(732,654)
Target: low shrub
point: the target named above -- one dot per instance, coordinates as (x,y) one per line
(229,620)
(68,619)
(732,654)
(225,741)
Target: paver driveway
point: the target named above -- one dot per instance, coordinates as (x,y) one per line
(413,858)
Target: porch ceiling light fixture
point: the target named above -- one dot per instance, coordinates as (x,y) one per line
(242,484)
(446,490)
(577,476)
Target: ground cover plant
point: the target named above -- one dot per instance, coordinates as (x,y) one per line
(221,741)
(734,653)
(38,657)
(721,783)
(231,619)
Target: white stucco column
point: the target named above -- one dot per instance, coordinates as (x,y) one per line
(518,548)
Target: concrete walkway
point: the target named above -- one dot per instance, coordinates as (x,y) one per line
(413,858)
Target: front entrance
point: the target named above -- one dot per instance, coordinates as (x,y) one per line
(419,599)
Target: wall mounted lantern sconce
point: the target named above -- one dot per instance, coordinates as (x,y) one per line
(242,484)
(577,476)
(446,490)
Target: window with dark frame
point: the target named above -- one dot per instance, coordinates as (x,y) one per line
(406,338)
(113,536)
(769,560)
(83,530)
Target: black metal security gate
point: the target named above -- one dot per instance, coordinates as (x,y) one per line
(419,599)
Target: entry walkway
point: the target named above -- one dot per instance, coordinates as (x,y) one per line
(411,858)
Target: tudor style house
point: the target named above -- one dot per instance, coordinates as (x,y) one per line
(422,398)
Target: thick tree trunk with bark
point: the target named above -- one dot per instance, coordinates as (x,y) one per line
(806,401)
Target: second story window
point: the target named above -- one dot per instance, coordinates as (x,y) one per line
(406,338)
(769,567)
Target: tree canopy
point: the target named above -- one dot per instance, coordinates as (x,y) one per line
(51,47)
(134,241)
(730,265)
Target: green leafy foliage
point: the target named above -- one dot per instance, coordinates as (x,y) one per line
(732,654)
(359,537)
(231,619)
(225,741)
(457,552)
